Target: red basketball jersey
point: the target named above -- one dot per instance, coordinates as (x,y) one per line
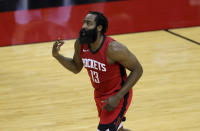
(106,79)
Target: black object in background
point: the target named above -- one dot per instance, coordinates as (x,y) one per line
(13,5)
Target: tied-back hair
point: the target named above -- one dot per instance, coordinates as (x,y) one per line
(101,20)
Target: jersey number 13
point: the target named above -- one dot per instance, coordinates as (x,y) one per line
(95,76)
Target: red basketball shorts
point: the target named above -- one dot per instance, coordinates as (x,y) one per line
(111,120)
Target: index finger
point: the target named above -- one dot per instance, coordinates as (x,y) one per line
(107,107)
(60,41)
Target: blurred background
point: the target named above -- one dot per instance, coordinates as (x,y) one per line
(38,94)
(32,21)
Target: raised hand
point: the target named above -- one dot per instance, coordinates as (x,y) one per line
(56,47)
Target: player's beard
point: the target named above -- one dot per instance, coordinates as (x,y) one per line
(89,36)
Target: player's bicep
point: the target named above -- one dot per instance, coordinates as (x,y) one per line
(76,58)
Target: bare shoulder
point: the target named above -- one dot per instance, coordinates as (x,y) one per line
(116,46)
(117,50)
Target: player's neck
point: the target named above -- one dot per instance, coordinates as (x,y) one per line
(94,46)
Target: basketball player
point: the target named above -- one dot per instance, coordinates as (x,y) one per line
(105,60)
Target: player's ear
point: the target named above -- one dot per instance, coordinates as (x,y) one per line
(99,28)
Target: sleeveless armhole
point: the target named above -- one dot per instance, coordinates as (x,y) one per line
(81,49)
(106,49)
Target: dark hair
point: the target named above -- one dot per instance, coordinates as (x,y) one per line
(100,20)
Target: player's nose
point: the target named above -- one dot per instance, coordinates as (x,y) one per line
(84,26)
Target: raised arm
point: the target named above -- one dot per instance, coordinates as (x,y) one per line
(73,64)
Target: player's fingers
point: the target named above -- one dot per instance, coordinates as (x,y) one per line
(56,43)
(61,43)
(105,107)
(58,49)
(59,40)
(108,108)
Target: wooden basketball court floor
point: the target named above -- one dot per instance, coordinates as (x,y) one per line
(38,94)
